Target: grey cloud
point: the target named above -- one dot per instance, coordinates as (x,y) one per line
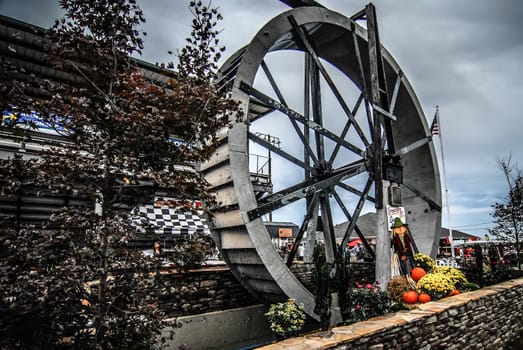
(464,56)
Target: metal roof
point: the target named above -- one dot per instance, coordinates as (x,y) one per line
(22,46)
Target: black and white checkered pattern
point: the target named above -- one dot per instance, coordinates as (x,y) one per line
(166,220)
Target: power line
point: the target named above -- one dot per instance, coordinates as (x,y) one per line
(470,225)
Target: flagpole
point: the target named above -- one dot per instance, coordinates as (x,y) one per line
(436,117)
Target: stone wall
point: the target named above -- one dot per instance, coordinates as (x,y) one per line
(488,318)
(306,275)
(202,290)
(215,288)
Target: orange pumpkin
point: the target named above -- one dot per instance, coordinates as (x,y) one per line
(454,292)
(410,297)
(417,273)
(424,298)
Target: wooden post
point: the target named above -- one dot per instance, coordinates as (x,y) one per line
(379,98)
(377,118)
(383,243)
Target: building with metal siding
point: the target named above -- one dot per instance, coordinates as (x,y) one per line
(22,52)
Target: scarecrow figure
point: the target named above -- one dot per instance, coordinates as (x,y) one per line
(403,247)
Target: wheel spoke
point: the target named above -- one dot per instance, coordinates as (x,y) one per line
(305,188)
(356,228)
(356,213)
(328,228)
(345,130)
(278,93)
(390,114)
(274,86)
(312,228)
(308,216)
(420,194)
(306,113)
(394,97)
(364,88)
(404,150)
(309,48)
(298,117)
(384,112)
(314,79)
(355,191)
(278,151)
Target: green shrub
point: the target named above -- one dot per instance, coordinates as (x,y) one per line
(364,302)
(286,319)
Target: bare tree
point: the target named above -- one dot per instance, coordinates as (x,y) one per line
(508,215)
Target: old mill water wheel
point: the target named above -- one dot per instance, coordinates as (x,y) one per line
(350,120)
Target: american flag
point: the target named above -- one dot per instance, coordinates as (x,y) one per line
(434,128)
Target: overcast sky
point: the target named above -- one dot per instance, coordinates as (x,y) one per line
(465,56)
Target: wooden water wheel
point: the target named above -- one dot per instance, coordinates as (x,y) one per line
(347,118)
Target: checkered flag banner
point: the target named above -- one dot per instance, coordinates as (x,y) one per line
(168,220)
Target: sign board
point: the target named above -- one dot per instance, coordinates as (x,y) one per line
(393,213)
(37,122)
(285,232)
(56,125)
